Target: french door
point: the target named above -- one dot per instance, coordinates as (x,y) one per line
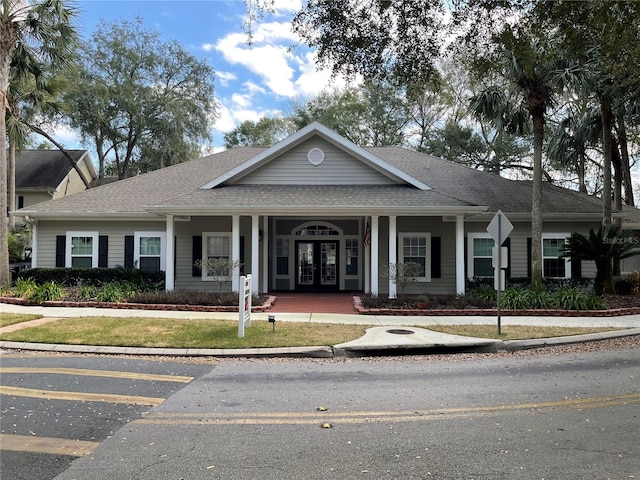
(316,265)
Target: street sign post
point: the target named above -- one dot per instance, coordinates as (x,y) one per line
(499,228)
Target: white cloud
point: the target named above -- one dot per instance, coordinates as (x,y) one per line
(266,70)
(286,6)
(225,78)
(239,100)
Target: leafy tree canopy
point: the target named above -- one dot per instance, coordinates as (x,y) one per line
(143,103)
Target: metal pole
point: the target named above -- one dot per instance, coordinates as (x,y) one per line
(499,272)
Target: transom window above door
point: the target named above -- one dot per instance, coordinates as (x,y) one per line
(317,230)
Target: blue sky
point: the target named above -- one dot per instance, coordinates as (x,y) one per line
(251,80)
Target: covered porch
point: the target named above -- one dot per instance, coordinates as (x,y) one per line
(321,253)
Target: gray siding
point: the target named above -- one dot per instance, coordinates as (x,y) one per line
(521,232)
(293,168)
(116,231)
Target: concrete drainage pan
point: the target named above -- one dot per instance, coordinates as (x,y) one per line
(385,338)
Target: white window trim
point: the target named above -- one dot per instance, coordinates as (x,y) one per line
(95,247)
(567,260)
(205,235)
(427,260)
(471,236)
(163,247)
(289,257)
(360,256)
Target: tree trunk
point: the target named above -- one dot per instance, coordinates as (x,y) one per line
(582,187)
(621,131)
(5,62)
(74,164)
(11,179)
(536,201)
(607,116)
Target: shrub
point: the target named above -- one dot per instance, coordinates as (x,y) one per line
(624,286)
(111,292)
(89,291)
(594,302)
(47,292)
(484,292)
(634,278)
(72,277)
(539,299)
(25,287)
(569,299)
(514,298)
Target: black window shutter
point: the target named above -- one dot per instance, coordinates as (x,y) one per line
(20,201)
(241,259)
(529,257)
(507,271)
(436,254)
(129,241)
(196,254)
(576,268)
(61,250)
(103,251)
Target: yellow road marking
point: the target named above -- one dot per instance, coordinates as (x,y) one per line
(81,396)
(55,446)
(98,373)
(300,418)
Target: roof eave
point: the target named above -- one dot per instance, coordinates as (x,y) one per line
(65,216)
(320,211)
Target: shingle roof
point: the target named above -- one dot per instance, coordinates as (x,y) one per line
(454,186)
(43,169)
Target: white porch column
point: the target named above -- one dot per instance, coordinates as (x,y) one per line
(235,250)
(169,270)
(393,252)
(265,254)
(34,244)
(367,258)
(374,256)
(255,253)
(460,279)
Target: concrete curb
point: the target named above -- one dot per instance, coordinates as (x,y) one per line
(309,352)
(514,345)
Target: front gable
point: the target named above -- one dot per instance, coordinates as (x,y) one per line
(316,155)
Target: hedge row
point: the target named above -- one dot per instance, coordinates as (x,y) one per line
(74,277)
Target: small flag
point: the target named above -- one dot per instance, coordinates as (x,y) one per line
(366,239)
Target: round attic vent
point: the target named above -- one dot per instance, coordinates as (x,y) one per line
(315,156)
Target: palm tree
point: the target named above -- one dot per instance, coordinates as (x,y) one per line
(603,246)
(535,76)
(38,32)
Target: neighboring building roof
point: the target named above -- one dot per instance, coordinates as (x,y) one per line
(422,184)
(44,169)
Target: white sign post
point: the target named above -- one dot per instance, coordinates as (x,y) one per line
(499,228)
(244,305)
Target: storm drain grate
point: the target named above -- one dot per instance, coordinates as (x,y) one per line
(400,331)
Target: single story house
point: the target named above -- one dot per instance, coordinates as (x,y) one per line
(43,175)
(314,212)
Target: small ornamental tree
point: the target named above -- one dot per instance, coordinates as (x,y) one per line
(221,269)
(402,274)
(602,247)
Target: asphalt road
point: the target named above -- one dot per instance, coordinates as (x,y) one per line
(56,408)
(505,416)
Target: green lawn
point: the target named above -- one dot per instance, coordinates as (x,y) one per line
(11,318)
(174,333)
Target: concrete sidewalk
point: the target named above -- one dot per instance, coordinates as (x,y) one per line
(387,335)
